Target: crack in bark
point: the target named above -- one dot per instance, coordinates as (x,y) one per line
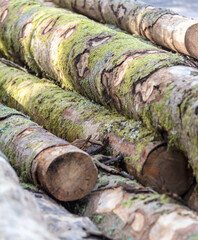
(115,76)
(50,27)
(137,86)
(100,10)
(3,15)
(2,118)
(25,31)
(68,32)
(81,64)
(117,13)
(82,60)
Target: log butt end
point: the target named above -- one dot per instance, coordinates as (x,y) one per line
(168,171)
(66,172)
(191,40)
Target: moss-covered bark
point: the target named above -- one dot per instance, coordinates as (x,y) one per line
(70,116)
(42,158)
(109,67)
(161,26)
(20,217)
(124,209)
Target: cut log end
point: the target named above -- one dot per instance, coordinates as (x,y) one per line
(168,171)
(191,40)
(66,172)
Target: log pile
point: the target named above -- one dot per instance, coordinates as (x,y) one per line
(147,125)
(123,209)
(20,217)
(71,117)
(39,157)
(109,67)
(33,215)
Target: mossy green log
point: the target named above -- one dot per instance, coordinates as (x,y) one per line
(161,26)
(70,116)
(109,67)
(123,209)
(39,157)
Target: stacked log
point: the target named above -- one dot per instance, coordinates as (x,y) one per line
(20,217)
(161,26)
(62,223)
(64,171)
(110,67)
(123,209)
(72,117)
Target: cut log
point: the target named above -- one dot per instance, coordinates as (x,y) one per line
(62,223)
(64,171)
(125,210)
(161,26)
(70,116)
(20,217)
(109,67)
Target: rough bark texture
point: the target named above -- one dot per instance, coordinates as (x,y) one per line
(161,26)
(63,170)
(20,217)
(48,3)
(62,223)
(109,67)
(70,116)
(126,210)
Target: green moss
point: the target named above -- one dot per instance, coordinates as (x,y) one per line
(97,218)
(28,186)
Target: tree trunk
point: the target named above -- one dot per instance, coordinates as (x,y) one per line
(64,171)
(125,210)
(62,223)
(20,218)
(70,116)
(160,26)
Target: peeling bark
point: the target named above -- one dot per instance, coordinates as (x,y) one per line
(123,209)
(62,223)
(20,217)
(70,116)
(160,26)
(64,171)
(109,67)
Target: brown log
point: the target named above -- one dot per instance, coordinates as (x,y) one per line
(124,209)
(63,224)
(161,26)
(20,217)
(64,171)
(70,116)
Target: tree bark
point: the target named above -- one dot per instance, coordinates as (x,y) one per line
(64,171)
(62,223)
(20,217)
(70,116)
(109,67)
(124,209)
(161,26)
